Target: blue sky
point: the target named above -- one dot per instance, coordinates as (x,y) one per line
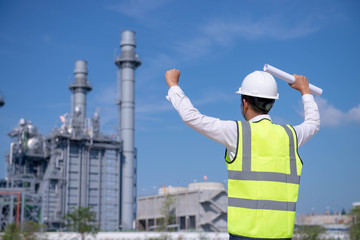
(215,44)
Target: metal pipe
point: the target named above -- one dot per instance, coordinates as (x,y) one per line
(18,208)
(11,217)
(22,219)
(11,153)
(127,62)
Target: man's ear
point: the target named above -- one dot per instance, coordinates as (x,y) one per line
(245,103)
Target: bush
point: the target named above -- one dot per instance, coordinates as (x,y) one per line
(309,232)
(82,220)
(354,230)
(26,231)
(12,232)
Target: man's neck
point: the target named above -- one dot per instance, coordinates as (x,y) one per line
(260,117)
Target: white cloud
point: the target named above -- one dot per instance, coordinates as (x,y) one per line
(354,114)
(194,48)
(331,116)
(225,32)
(136,8)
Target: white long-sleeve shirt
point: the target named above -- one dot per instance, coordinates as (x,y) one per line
(225,132)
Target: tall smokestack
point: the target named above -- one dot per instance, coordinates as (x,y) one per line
(127,63)
(79,88)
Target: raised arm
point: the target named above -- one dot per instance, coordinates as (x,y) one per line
(311,124)
(223,132)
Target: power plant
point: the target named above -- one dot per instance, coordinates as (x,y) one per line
(76,164)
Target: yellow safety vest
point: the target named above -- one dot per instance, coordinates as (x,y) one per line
(263,181)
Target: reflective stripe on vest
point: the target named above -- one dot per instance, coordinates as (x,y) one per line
(262,204)
(278,190)
(264,176)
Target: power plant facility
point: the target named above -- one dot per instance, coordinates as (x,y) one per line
(76,164)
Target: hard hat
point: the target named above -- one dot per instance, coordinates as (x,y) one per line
(259,84)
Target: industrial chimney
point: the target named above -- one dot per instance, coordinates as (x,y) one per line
(79,88)
(127,62)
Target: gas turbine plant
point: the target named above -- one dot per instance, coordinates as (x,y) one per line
(76,164)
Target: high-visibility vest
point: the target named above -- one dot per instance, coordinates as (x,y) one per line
(263,181)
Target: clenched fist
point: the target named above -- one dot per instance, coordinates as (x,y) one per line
(172,77)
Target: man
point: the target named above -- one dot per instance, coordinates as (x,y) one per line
(263,164)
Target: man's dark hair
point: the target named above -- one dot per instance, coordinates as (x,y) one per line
(259,105)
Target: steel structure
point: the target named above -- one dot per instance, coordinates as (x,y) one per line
(7,205)
(76,164)
(25,167)
(84,168)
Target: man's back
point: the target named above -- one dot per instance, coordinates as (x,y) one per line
(263,181)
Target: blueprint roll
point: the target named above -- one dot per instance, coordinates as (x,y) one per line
(289,78)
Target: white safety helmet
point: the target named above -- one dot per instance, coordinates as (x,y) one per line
(259,84)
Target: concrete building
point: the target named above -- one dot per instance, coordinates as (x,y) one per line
(201,206)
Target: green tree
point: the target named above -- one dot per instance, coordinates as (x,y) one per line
(168,211)
(12,232)
(83,221)
(354,230)
(28,230)
(343,212)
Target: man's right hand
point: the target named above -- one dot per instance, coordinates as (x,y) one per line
(172,77)
(301,84)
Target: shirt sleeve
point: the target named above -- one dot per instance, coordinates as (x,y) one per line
(311,124)
(223,132)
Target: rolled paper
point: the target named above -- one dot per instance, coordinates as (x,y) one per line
(289,78)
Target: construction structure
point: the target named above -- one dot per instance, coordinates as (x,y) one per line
(76,164)
(200,207)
